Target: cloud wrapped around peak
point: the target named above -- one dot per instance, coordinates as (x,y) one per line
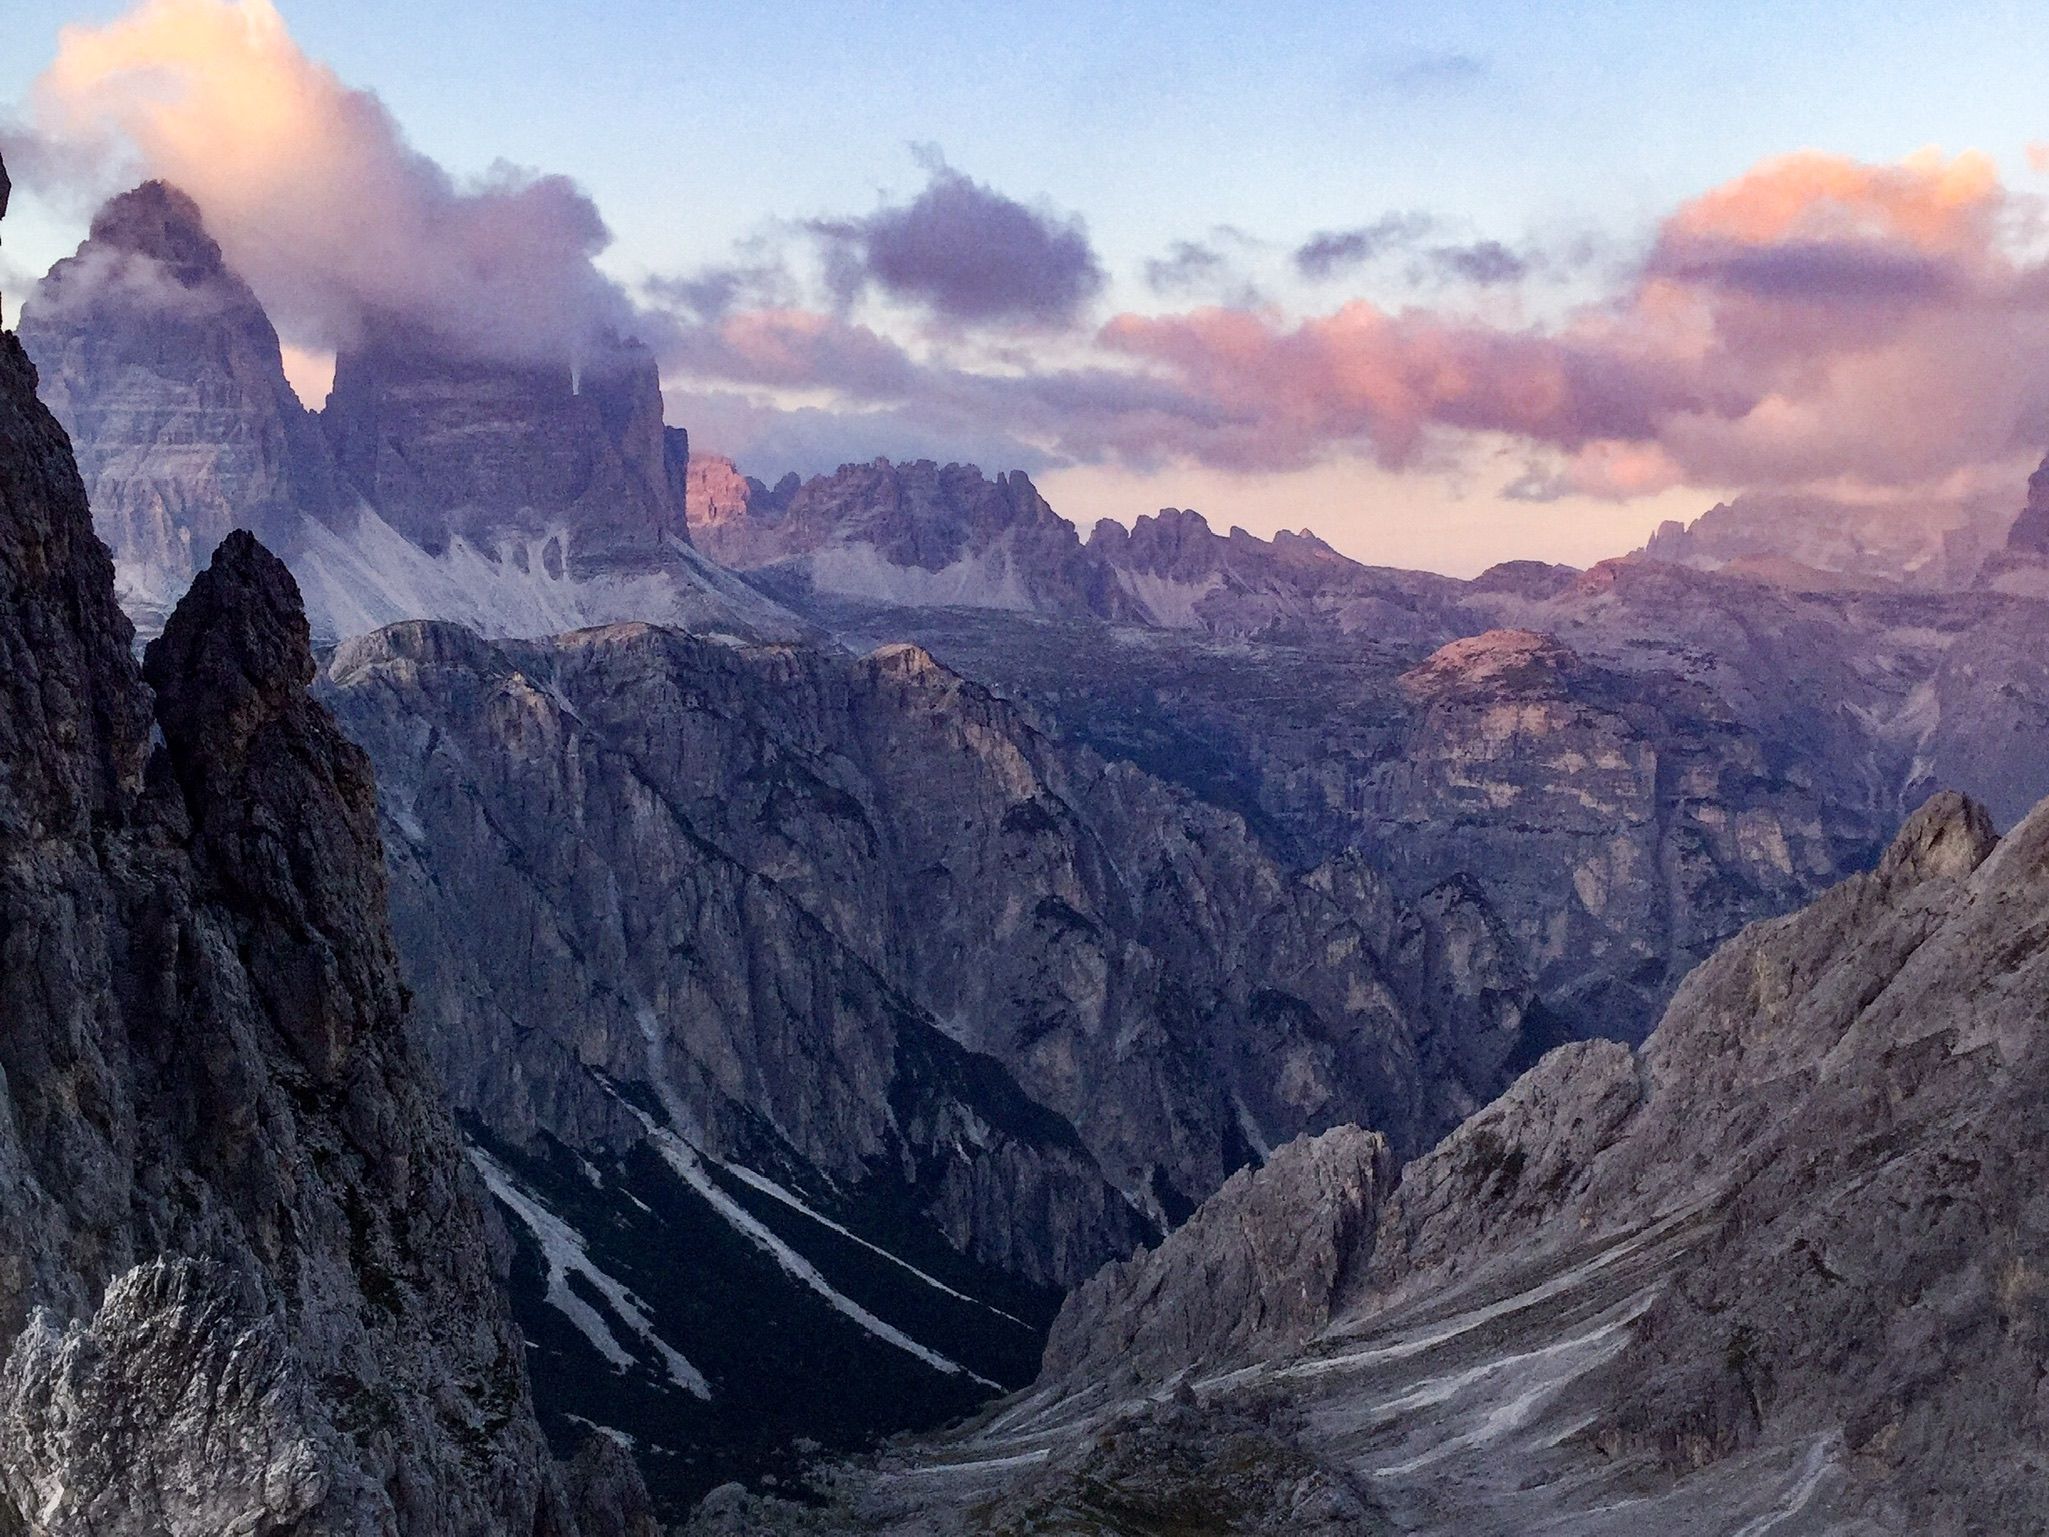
(968,253)
(314,194)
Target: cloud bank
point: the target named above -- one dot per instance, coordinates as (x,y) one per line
(1817,322)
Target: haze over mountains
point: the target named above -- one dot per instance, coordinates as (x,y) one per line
(847,914)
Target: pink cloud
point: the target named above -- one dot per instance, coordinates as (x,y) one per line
(312,190)
(1814,320)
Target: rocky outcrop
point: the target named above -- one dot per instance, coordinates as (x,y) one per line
(1666,822)
(733,517)
(1815,544)
(1136,958)
(855,927)
(1180,574)
(167,374)
(921,536)
(1258,1270)
(570,455)
(1620,820)
(651,1010)
(1847,1104)
(244,1278)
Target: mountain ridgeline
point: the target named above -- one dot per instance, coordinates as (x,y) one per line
(518,496)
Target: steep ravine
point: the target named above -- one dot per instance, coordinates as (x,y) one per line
(839,976)
(1781,1270)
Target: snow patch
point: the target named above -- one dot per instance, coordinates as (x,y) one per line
(689,1166)
(563,1248)
(776,1192)
(1172,603)
(985,579)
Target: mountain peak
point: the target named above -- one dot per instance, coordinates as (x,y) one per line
(1509,661)
(1947,838)
(2030,531)
(234,652)
(158,221)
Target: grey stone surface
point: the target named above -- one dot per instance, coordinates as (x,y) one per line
(689,828)
(1258,1270)
(520,497)
(167,374)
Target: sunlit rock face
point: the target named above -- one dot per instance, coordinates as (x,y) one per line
(166,372)
(734,517)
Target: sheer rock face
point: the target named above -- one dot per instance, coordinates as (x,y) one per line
(1135,959)
(166,372)
(518,498)
(1619,822)
(1257,1271)
(203,1060)
(447,447)
(853,924)
(731,514)
(1623,825)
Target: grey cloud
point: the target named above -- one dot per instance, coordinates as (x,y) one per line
(966,252)
(1811,271)
(1330,252)
(1187,266)
(1485,262)
(711,293)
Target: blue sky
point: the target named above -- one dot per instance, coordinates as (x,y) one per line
(690,122)
(694,126)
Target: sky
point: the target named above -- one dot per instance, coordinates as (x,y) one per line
(1448,283)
